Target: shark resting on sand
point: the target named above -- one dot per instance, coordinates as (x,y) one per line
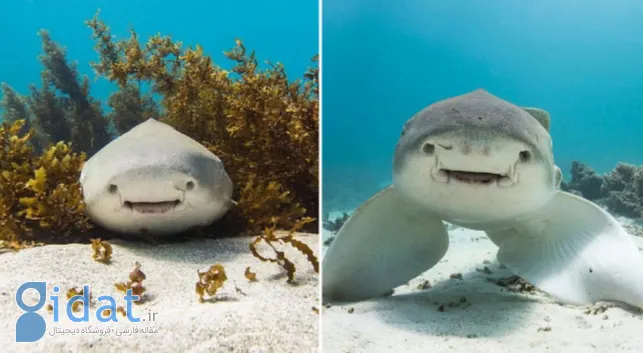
(157,180)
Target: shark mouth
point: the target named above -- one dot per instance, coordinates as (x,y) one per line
(473,177)
(152,207)
(476,178)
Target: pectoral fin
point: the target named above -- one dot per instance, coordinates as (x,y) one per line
(575,251)
(384,244)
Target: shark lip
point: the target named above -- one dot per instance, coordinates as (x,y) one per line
(482,178)
(152,207)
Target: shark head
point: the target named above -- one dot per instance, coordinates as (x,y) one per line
(476,159)
(157,180)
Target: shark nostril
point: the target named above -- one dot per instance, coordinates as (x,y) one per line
(428,148)
(112,188)
(189,185)
(525,156)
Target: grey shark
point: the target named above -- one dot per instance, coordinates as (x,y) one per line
(157,180)
(482,163)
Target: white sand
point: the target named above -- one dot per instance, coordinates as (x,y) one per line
(273,316)
(497,320)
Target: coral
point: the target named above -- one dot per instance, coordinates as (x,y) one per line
(210,281)
(620,190)
(336,224)
(637,182)
(39,194)
(270,238)
(586,181)
(619,178)
(625,203)
(263,126)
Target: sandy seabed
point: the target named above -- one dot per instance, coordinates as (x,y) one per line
(437,312)
(270,316)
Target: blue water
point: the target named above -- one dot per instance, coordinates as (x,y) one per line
(383,61)
(279,30)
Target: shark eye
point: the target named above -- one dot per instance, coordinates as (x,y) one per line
(112,188)
(189,185)
(525,156)
(428,148)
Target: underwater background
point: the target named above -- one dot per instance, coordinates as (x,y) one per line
(383,61)
(280,31)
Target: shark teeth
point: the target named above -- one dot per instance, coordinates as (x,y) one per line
(444,176)
(513,173)
(152,207)
(437,173)
(439,176)
(510,179)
